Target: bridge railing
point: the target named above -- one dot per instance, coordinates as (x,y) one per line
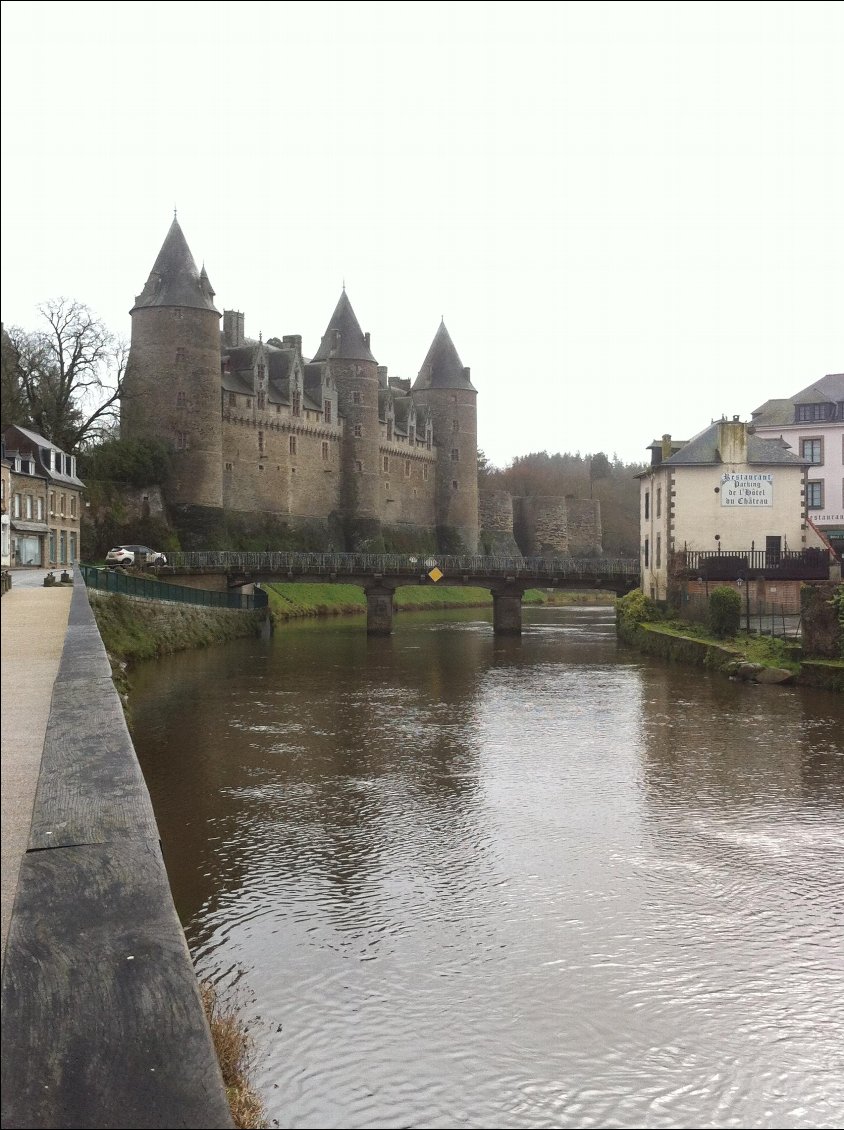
(391,564)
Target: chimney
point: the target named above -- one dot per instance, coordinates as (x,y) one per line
(666,446)
(732,440)
(366,338)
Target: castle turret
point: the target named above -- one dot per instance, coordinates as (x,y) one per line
(346,353)
(172,384)
(443,387)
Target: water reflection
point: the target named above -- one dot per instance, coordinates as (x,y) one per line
(508,883)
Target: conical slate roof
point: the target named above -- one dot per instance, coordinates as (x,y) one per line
(351,344)
(174,279)
(442,368)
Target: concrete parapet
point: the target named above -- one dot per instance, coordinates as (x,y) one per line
(102,1019)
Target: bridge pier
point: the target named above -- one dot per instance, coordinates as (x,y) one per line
(507,608)
(379,608)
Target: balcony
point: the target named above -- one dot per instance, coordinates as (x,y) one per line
(744,564)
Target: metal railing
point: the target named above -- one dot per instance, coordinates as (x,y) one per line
(758,617)
(398,565)
(116,580)
(732,564)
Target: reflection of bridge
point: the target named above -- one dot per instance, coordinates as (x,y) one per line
(379,575)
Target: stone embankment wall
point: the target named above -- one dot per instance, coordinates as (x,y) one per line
(103,1021)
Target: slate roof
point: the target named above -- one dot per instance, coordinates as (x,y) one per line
(352,345)
(702,450)
(40,443)
(174,279)
(442,367)
(780,412)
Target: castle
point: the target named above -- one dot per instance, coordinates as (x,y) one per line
(331,447)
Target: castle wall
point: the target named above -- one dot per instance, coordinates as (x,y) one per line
(584,526)
(495,513)
(262,471)
(172,393)
(408,485)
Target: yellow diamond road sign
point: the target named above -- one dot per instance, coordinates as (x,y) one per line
(435,574)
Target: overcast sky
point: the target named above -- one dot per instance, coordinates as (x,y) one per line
(629,214)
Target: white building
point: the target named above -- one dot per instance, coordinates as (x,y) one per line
(812,424)
(727,505)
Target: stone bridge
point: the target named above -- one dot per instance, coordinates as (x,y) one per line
(379,575)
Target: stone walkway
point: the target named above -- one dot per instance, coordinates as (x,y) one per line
(33,627)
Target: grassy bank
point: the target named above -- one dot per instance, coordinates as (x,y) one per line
(288,601)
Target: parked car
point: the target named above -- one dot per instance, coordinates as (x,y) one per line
(125,556)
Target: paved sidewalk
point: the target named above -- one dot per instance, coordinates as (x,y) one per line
(33,627)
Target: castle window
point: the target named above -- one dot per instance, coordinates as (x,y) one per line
(297,403)
(293,445)
(647,551)
(262,400)
(260,443)
(455,455)
(325,451)
(249,402)
(386,463)
(387,487)
(178,314)
(181,440)
(181,400)
(407,468)
(411,434)
(647,506)
(232,400)
(180,354)
(358,431)
(278,409)
(425,472)
(428,438)
(358,467)
(455,425)
(328,411)
(658,550)
(454,484)
(230,466)
(658,503)
(389,429)
(355,397)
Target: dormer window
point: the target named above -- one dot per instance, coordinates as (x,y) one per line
(389,429)
(297,403)
(411,434)
(327,412)
(261,401)
(812,413)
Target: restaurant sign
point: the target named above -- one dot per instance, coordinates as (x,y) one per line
(739,488)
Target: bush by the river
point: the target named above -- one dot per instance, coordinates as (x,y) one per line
(724,612)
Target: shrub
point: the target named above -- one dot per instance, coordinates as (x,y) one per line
(636,608)
(724,612)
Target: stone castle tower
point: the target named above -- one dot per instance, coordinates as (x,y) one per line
(331,445)
(172,380)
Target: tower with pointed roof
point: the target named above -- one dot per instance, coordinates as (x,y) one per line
(345,354)
(172,384)
(444,389)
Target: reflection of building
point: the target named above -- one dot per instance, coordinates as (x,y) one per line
(812,424)
(724,506)
(44,500)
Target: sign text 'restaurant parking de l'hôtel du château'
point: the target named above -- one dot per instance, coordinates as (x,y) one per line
(742,489)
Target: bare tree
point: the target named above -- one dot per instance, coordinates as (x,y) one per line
(65,380)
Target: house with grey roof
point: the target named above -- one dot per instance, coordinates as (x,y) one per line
(45,503)
(811,423)
(728,505)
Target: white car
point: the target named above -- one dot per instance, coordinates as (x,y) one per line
(125,556)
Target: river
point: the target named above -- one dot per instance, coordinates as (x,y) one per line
(457,880)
